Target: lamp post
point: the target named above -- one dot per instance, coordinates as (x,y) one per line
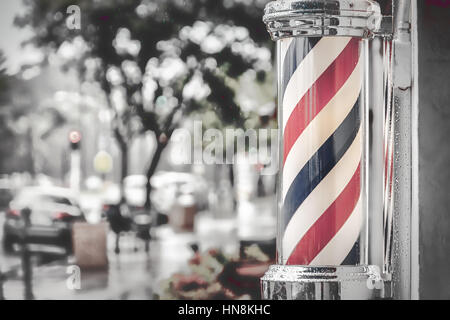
(27,267)
(75,160)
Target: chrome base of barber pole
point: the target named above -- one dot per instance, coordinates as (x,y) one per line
(286,282)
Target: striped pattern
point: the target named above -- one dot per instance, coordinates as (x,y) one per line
(321,81)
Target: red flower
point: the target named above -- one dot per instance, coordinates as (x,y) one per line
(191,282)
(197,259)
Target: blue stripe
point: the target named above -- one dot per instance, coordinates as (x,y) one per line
(353,257)
(321,163)
(298,50)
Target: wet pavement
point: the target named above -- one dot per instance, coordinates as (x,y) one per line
(133,274)
(130,275)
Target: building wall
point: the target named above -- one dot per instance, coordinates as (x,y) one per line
(434,148)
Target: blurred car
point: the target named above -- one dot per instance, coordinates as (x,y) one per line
(165,188)
(134,187)
(53,212)
(168,184)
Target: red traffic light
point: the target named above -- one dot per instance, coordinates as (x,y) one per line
(74,136)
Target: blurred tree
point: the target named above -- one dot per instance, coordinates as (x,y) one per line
(3,81)
(15,151)
(158,60)
(6,134)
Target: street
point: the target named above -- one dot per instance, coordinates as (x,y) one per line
(130,275)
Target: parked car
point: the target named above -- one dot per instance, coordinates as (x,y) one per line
(167,184)
(52,214)
(134,187)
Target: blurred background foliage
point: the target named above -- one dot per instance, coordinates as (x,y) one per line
(155,62)
(14,131)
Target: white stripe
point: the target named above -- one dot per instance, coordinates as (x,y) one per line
(313,65)
(322,197)
(335,252)
(322,127)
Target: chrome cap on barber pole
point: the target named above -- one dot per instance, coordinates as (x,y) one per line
(319,18)
(322,243)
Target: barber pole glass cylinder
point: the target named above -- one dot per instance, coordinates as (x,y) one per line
(322,241)
(322,196)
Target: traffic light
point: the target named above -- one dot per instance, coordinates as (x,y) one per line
(75,139)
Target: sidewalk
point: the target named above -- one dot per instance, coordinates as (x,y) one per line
(130,275)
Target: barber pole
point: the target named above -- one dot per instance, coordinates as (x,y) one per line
(322,150)
(323,99)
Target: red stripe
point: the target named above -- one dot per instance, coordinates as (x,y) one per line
(329,223)
(320,93)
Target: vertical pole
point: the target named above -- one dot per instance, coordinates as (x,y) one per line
(75,170)
(2,278)
(402,93)
(415,158)
(376,108)
(75,161)
(26,257)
